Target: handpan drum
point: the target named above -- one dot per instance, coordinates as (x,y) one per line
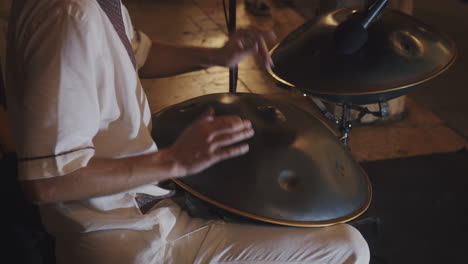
(400,53)
(296,173)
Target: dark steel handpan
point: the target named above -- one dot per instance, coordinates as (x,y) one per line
(400,53)
(296,173)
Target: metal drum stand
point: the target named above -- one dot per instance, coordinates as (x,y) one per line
(356,57)
(344,122)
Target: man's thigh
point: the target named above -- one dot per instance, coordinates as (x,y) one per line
(117,246)
(224,242)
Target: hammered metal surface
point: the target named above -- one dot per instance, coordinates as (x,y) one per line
(400,53)
(296,169)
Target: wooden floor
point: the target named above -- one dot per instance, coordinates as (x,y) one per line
(201,23)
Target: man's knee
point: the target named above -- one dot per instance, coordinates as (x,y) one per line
(355,244)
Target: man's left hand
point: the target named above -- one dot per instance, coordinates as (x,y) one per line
(243,42)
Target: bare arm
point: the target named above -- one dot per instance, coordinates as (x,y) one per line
(102,177)
(201,145)
(165,59)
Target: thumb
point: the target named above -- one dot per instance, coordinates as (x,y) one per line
(207,114)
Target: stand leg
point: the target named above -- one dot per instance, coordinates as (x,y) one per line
(345,125)
(232,29)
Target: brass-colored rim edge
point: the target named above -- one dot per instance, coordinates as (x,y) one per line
(277,221)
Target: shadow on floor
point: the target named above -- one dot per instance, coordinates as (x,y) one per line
(422,204)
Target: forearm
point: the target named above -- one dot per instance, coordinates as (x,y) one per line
(166,59)
(205,142)
(103,177)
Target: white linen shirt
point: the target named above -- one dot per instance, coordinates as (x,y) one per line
(74,94)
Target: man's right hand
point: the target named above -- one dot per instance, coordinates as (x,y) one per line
(209,140)
(206,141)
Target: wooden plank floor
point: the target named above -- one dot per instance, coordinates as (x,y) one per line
(201,23)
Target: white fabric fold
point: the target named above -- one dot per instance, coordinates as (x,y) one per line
(124,199)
